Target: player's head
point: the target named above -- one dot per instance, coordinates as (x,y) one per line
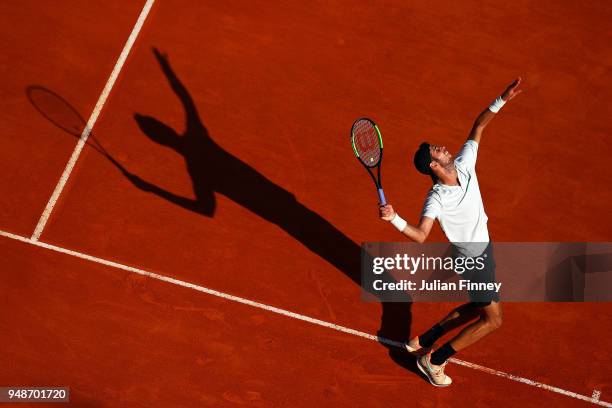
(432,160)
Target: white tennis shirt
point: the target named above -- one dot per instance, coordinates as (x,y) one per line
(459,209)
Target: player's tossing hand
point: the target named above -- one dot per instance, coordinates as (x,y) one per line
(512,90)
(386,212)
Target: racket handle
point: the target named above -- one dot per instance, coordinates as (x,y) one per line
(381,197)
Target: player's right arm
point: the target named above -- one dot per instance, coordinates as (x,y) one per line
(418,233)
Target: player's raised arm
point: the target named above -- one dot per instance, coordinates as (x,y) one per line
(416,233)
(485,116)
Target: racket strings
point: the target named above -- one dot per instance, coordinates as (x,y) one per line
(62,114)
(367,142)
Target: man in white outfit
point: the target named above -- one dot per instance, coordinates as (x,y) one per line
(455,201)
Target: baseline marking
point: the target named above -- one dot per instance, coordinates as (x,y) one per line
(594,399)
(91,122)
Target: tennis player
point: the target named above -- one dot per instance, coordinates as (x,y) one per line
(455,201)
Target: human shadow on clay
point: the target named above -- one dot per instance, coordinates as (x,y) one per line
(214,170)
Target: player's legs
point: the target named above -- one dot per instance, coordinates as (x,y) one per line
(490,320)
(433,364)
(456,318)
(486,302)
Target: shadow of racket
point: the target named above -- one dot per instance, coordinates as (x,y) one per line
(64,116)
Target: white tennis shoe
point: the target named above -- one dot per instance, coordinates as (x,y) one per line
(435,374)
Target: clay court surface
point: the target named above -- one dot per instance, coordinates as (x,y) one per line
(112,295)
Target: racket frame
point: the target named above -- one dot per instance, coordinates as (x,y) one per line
(377,180)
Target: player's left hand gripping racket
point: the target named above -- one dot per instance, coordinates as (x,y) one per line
(368,147)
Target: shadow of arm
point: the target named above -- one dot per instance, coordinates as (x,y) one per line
(179,89)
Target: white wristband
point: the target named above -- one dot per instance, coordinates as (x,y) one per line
(399,223)
(497,104)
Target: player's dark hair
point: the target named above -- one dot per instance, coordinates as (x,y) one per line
(422,159)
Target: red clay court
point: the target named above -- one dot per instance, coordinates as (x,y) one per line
(225,271)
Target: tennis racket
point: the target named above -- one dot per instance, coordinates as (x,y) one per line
(63,115)
(368,147)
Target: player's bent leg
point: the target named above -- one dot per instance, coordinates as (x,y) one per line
(490,320)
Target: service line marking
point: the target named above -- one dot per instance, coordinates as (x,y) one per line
(91,122)
(594,399)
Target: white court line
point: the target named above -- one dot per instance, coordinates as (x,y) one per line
(594,399)
(91,122)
